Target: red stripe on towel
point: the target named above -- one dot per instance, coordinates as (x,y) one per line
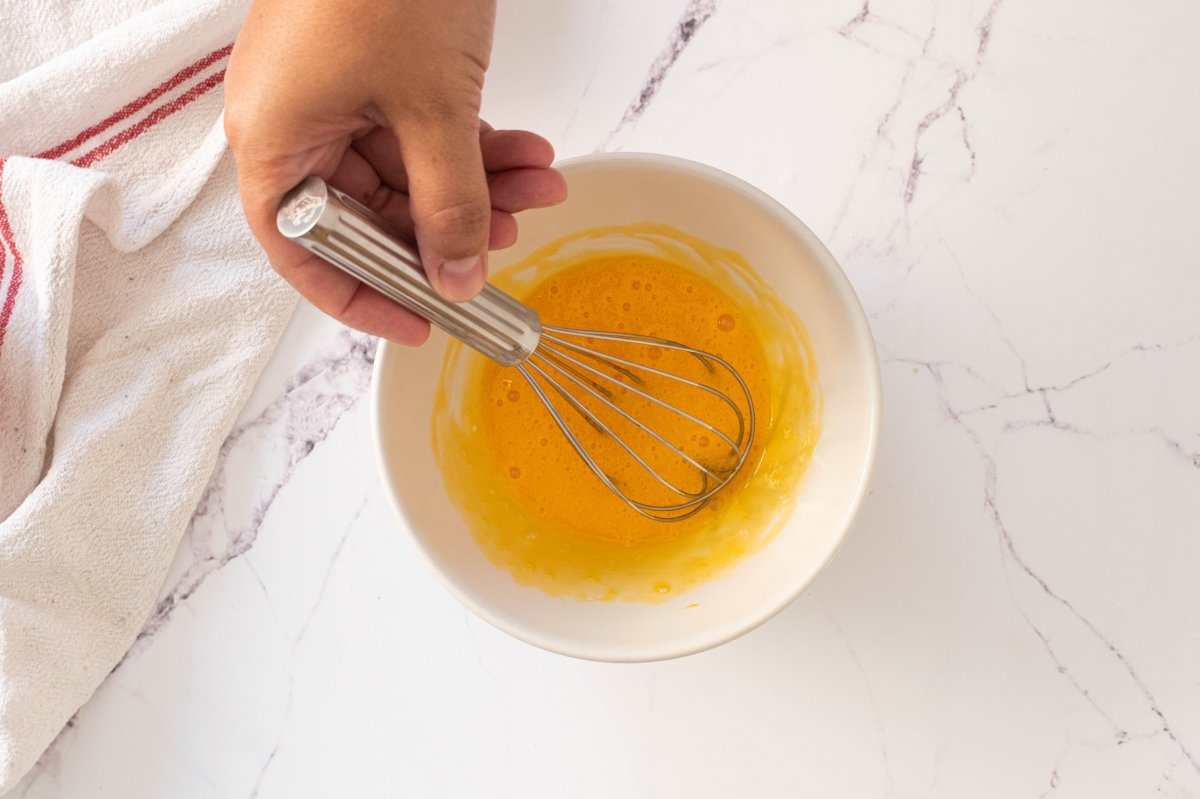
(137,105)
(144,124)
(102,150)
(14,284)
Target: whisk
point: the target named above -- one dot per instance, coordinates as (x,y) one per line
(599,386)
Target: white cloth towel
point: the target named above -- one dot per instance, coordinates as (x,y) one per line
(136,312)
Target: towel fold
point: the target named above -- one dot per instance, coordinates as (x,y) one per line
(136,312)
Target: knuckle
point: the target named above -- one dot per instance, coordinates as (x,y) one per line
(240,120)
(455,99)
(462,220)
(234,123)
(444,109)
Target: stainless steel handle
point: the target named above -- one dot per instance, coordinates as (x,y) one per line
(354,238)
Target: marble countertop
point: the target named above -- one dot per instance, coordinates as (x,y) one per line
(1011,187)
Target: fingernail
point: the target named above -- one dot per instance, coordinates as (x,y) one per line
(462,278)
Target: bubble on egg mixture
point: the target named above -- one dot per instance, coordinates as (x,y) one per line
(584,529)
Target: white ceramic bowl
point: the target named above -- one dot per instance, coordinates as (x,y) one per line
(623,189)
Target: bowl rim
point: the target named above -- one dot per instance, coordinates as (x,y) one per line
(759,615)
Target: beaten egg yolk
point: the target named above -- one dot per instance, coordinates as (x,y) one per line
(654,297)
(529,500)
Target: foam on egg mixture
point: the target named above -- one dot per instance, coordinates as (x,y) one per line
(535,507)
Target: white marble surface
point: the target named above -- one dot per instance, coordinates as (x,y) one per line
(1011,187)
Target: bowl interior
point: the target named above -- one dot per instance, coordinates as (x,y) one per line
(624,189)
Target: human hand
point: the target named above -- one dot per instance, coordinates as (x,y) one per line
(381,100)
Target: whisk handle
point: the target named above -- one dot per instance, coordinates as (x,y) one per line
(354,238)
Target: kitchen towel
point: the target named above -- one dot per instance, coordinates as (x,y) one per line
(136,312)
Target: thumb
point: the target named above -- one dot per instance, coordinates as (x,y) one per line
(450,204)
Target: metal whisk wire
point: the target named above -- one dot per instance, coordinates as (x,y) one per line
(553,362)
(551,359)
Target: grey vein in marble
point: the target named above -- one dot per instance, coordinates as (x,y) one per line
(310,407)
(695,14)
(889,779)
(913,172)
(883,126)
(299,639)
(1053,785)
(959,417)
(962,78)
(587,86)
(865,15)
(1108,644)
(1010,549)
(963,75)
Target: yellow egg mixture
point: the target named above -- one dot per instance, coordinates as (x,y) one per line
(533,504)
